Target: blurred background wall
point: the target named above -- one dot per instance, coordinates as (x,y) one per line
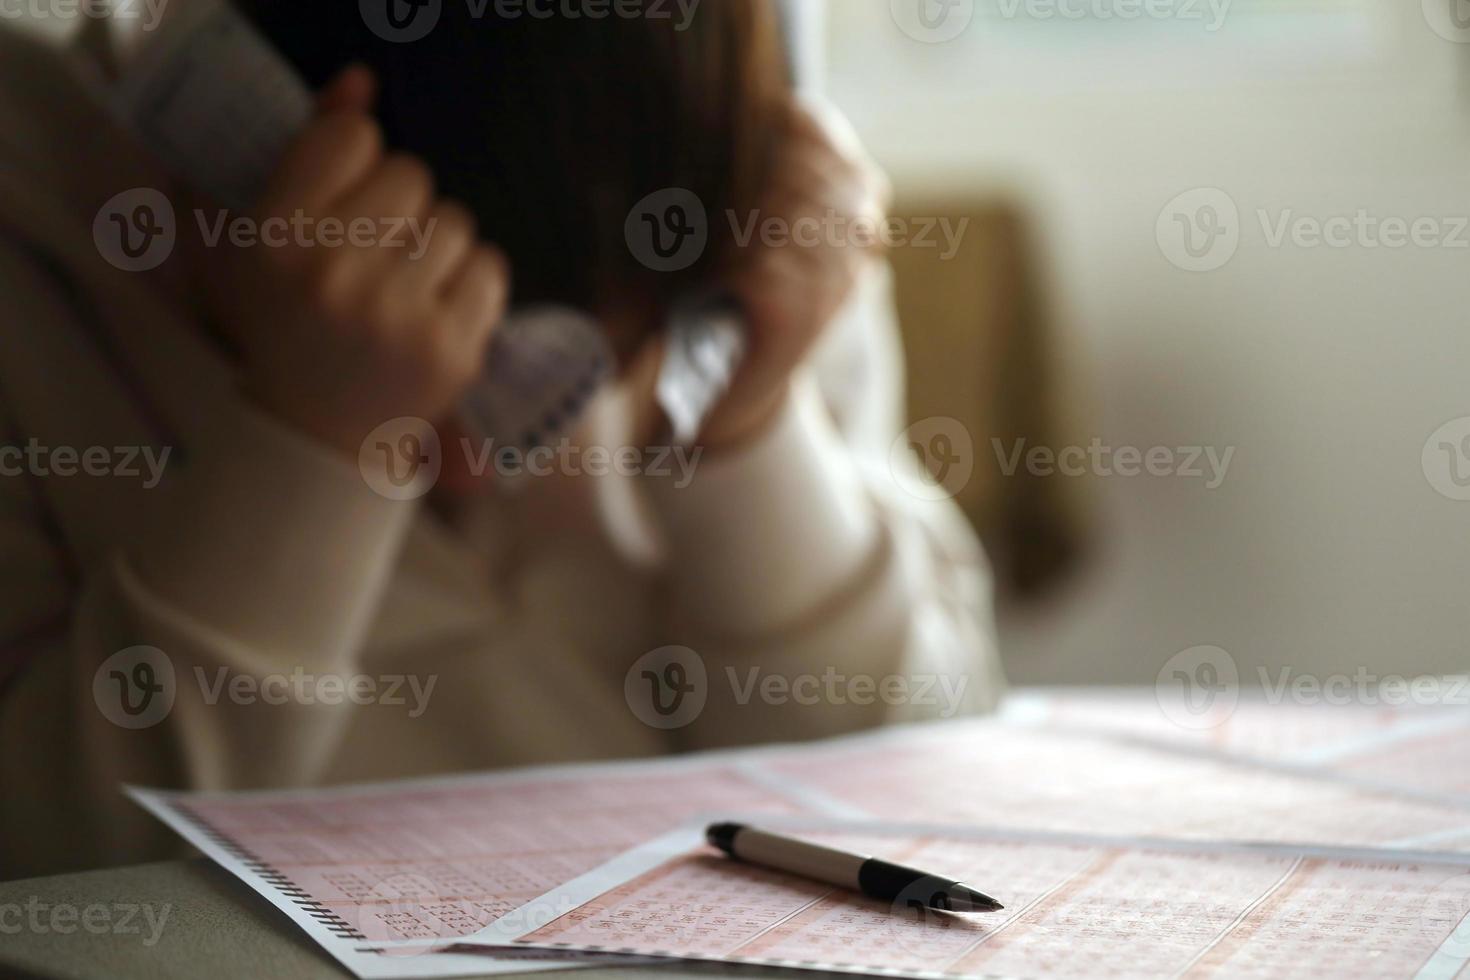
(1326,548)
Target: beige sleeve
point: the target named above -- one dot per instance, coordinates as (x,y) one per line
(271,556)
(820,594)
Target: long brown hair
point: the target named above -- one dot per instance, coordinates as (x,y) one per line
(552,127)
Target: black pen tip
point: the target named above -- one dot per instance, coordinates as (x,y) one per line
(963,898)
(722,835)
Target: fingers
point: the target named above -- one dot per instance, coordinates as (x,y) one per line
(821,120)
(355,89)
(335,154)
(400,187)
(476,296)
(826,161)
(450,230)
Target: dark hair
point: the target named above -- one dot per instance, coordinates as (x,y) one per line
(552,127)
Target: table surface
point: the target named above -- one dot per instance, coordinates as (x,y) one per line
(216,927)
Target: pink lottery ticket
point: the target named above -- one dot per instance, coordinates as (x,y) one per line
(382,876)
(992,773)
(1076,906)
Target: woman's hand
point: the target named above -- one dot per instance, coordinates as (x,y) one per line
(337,339)
(830,200)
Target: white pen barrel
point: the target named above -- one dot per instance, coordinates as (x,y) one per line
(798,857)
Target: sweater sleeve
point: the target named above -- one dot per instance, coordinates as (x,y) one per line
(821,593)
(270,555)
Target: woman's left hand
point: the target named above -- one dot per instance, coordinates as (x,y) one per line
(820,225)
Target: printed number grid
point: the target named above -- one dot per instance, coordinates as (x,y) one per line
(417,864)
(1073,910)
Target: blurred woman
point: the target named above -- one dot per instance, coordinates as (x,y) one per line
(262,563)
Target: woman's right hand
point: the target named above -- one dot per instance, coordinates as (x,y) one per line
(336,340)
